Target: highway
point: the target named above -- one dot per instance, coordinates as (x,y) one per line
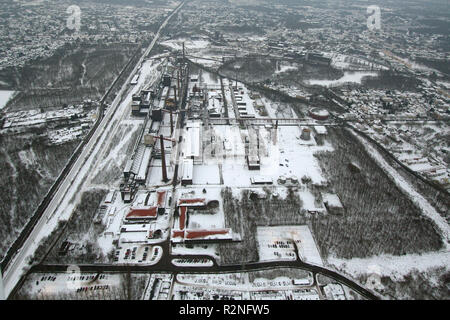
(72,182)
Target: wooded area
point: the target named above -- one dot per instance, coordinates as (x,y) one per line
(379,218)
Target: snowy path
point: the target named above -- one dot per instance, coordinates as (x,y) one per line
(416,197)
(395,267)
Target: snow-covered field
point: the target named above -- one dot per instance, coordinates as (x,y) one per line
(395,267)
(285,68)
(188,44)
(348,77)
(206,174)
(298,158)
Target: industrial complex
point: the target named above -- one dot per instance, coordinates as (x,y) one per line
(237,150)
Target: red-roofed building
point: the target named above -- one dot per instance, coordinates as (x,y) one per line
(211,234)
(142,213)
(161,201)
(178,234)
(181,234)
(201,236)
(161,198)
(183,211)
(192,202)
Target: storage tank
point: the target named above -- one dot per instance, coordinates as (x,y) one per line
(319,114)
(306,134)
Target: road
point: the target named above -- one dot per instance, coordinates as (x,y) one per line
(165,265)
(73,180)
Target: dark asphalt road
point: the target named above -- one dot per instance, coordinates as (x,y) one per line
(165,265)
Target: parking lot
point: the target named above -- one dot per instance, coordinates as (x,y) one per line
(138,254)
(53,285)
(192,262)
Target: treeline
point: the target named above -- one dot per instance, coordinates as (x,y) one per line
(275,211)
(270,274)
(379,218)
(71,75)
(240,216)
(391,80)
(81,231)
(28,167)
(436,196)
(440,65)
(46,244)
(417,285)
(244,215)
(251,69)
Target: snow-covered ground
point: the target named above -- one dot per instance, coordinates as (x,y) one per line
(416,197)
(285,68)
(118,154)
(309,202)
(297,157)
(288,156)
(210,249)
(348,77)
(69,195)
(241,281)
(5,95)
(277,243)
(81,285)
(204,221)
(177,44)
(206,174)
(186,262)
(198,219)
(395,267)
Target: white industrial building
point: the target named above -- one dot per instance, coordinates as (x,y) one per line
(192,148)
(188,170)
